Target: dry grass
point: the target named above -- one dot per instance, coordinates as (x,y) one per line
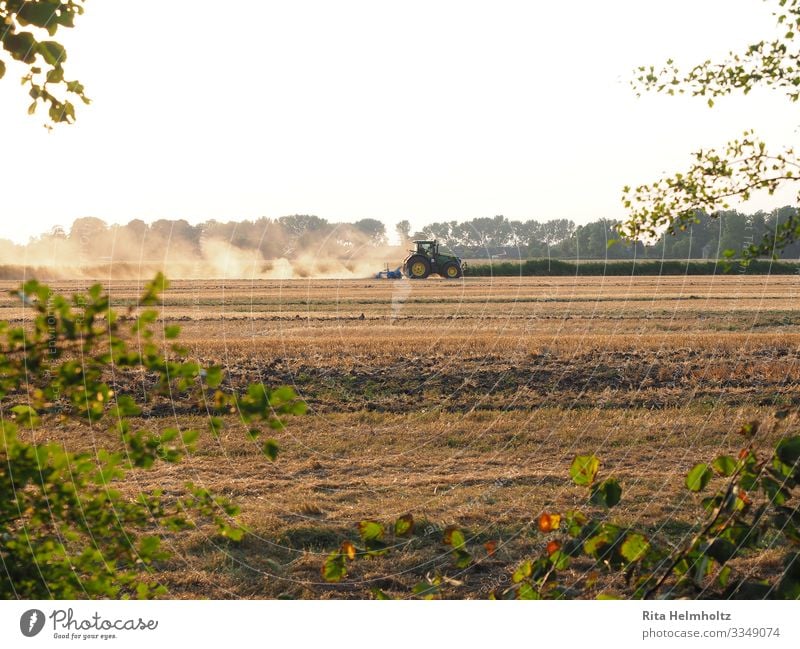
(462,403)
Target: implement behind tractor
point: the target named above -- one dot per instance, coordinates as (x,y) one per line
(428,259)
(386,273)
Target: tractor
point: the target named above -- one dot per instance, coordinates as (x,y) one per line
(427,259)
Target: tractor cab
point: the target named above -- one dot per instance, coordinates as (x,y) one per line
(427,248)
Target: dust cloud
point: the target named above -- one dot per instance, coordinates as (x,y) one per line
(265,249)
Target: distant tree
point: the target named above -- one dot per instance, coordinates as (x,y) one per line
(87,229)
(136,228)
(373,228)
(298,224)
(403,229)
(445,232)
(556,231)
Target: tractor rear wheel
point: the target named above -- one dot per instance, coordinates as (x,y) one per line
(451,270)
(418,267)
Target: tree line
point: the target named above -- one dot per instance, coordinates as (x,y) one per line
(484,237)
(705,238)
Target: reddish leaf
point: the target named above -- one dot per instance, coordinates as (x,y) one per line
(549,522)
(348,550)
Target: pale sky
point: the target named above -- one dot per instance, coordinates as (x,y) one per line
(417,110)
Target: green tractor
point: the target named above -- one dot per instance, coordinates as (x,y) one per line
(427,259)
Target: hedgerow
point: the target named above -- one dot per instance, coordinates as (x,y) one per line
(67,528)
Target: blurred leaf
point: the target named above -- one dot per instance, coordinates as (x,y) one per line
(788,450)
(270,449)
(635,547)
(584,469)
(549,522)
(370,530)
(607,493)
(172,331)
(527,592)
(454,537)
(404,525)
(725,465)
(750,429)
(334,568)
(348,550)
(427,590)
(522,572)
(53,52)
(461,558)
(698,477)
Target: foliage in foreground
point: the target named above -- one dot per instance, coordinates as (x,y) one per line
(66,530)
(757,507)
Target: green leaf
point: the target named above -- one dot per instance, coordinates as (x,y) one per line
(36,13)
(527,592)
(404,525)
(53,52)
(377,593)
(426,590)
(635,547)
(607,493)
(454,538)
(189,437)
(725,465)
(281,395)
(21,46)
(698,477)
(172,331)
(215,425)
(370,530)
(213,376)
(461,558)
(270,449)
(25,415)
(232,532)
(788,450)
(375,547)
(334,569)
(575,521)
(522,572)
(584,469)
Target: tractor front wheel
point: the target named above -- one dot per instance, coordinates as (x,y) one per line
(451,271)
(418,267)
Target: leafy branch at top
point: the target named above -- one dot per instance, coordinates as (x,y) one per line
(26,29)
(745,165)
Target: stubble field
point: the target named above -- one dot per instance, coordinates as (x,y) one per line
(461,403)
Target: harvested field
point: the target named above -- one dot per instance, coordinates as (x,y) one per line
(461,403)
